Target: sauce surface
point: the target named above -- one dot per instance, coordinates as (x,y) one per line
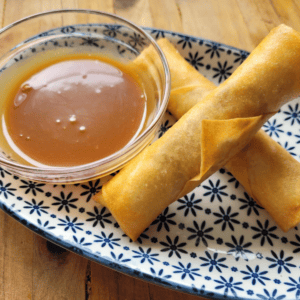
(74,112)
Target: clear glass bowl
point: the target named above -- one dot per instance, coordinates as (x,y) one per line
(101,32)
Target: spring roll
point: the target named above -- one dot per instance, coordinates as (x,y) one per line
(266,170)
(206,138)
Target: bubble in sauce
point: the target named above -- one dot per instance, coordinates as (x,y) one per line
(72,119)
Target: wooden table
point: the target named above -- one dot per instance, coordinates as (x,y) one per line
(31,267)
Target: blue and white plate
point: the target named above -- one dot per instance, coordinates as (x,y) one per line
(215,242)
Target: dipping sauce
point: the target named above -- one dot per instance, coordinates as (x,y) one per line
(74,112)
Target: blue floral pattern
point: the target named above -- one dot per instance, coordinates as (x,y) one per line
(229,286)
(255,275)
(238,248)
(186,271)
(215,190)
(264,232)
(293,114)
(216,242)
(189,204)
(213,262)
(145,256)
(273,128)
(281,263)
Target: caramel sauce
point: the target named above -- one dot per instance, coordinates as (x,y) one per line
(73,111)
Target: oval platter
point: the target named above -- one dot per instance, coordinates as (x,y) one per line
(215,242)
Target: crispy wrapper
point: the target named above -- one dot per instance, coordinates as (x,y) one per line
(265,169)
(208,135)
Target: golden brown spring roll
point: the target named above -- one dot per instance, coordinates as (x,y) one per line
(265,169)
(206,138)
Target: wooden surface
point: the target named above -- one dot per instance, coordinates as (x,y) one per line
(32,268)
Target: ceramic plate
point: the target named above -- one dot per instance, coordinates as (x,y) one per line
(215,242)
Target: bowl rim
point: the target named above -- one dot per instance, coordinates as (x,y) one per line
(131,144)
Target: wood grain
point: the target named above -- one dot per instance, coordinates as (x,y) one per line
(31,267)
(18,260)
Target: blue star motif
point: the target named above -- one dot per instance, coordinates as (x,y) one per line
(200,233)
(90,41)
(160,274)
(164,128)
(250,205)
(145,255)
(31,186)
(81,241)
(213,262)
(272,128)
(228,286)
(173,247)
(298,136)
(68,224)
(185,41)
(3,172)
(269,296)
(6,190)
(293,114)
(233,179)
(239,248)
(255,275)
(226,218)
(189,204)
(65,201)
(222,71)
(107,240)
(214,48)
(215,190)
(112,30)
(296,243)
(195,60)
(36,207)
(99,217)
(288,149)
(136,40)
(280,262)
(164,220)
(186,271)
(119,258)
(92,188)
(158,33)
(241,56)
(45,225)
(294,286)
(264,232)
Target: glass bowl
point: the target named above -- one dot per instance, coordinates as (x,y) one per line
(98,32)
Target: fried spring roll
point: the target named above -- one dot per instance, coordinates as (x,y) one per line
(206,138)
(265,169)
